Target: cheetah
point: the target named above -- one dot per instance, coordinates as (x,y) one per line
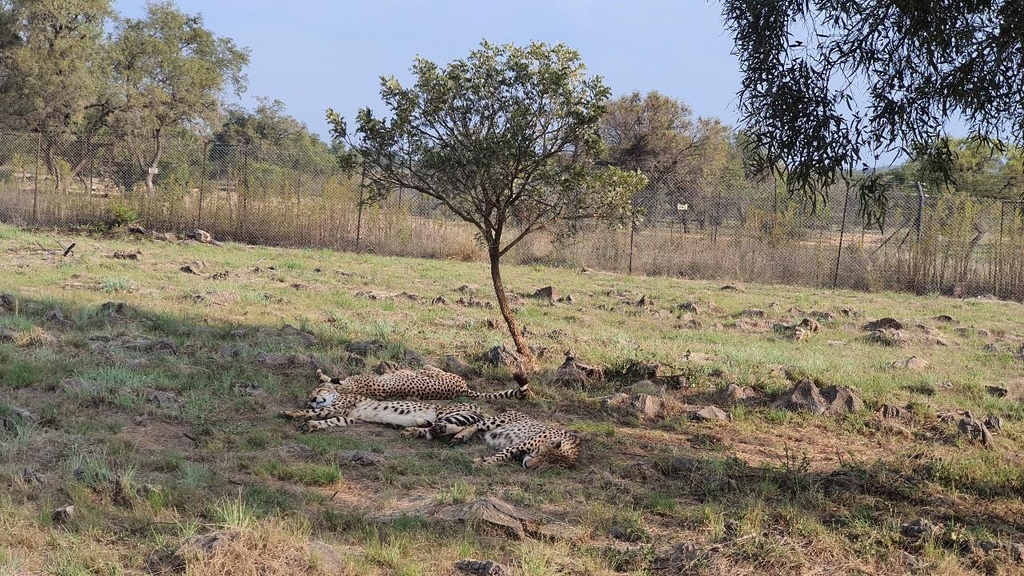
(514,435)
(416,417)
(427,383)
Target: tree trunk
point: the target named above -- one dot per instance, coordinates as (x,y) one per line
(506,309)
(51,163)
(151,171)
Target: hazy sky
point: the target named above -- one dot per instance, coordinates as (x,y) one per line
(314,54)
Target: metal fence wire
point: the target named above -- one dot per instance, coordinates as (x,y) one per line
(712,228)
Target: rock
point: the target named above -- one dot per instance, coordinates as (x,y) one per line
(505,356)
(113,309)
(994,423)
(642,370)
(810,324)
(710,413)
(888,337)
(997,391)
(944,318)
(63,514)
(365,459)
(890,411)
(195,268)
(133,255)
(31,477)
(237,333)
(567,299)
(918,529)
(8,303)
(326,557)
(440,301)
(482,567)
(734,393)
(55,316)
(656,389)
(823,316)
(913,363)
(647,407)
(733,288)
(804,396)
(386,366)
(753,313)
(575,374)
(365,348)
(546,293)
(975,429)
(488,511)
(201,236)
(307,338)
(468,289)
(164,399)
(456,366)
(842,399)
(884,323)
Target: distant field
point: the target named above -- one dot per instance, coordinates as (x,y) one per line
(157,422)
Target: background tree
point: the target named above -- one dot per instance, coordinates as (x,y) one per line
(830,87)
(505,139)
(682,155)
(52,68)
(170,73)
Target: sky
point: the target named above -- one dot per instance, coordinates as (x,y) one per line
(315,54)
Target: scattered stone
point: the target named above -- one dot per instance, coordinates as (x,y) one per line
(195,268)
(63,514)
(997,391)
(642,370)
(386,366)
(733,288)
(710,413)
(884,323)
(810,324)
(224,275)
(913,363)
(164,399)
(307,338)
(573,373)
(795,332)
(918,529)
(735,393)
(505,356)
(546,293)
(440,301)
(7,303)
(823,316)
(691,307)
(567,299)
(31,477)
(488,511)
(456,366)
(753,313)
(975,429)
(133,255)
(647,387)
(482,567)
(136,229)
(890,412)
(888,337)
(642,406)
(55,316)
(469,289)
(994,423)
(201,236)
(327,557)
(165,347)
(364,459)
(805,396)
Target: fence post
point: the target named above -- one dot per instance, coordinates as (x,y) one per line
(359,207)
(35,182)
(920,209)
(842,232)
(202,183)
(632,234)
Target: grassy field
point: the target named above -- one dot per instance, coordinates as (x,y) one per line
(157,421)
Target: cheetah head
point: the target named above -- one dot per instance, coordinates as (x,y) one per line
(322,397)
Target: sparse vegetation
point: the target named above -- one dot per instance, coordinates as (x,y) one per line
(155,420)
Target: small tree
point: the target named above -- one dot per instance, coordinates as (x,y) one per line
(505,139)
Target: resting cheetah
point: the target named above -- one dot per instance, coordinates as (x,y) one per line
(418,417)
(515,435)
(427,383)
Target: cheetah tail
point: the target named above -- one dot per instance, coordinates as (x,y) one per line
(521,392)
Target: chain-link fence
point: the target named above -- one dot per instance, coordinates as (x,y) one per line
(716,228)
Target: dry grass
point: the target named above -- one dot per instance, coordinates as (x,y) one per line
(768,492)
